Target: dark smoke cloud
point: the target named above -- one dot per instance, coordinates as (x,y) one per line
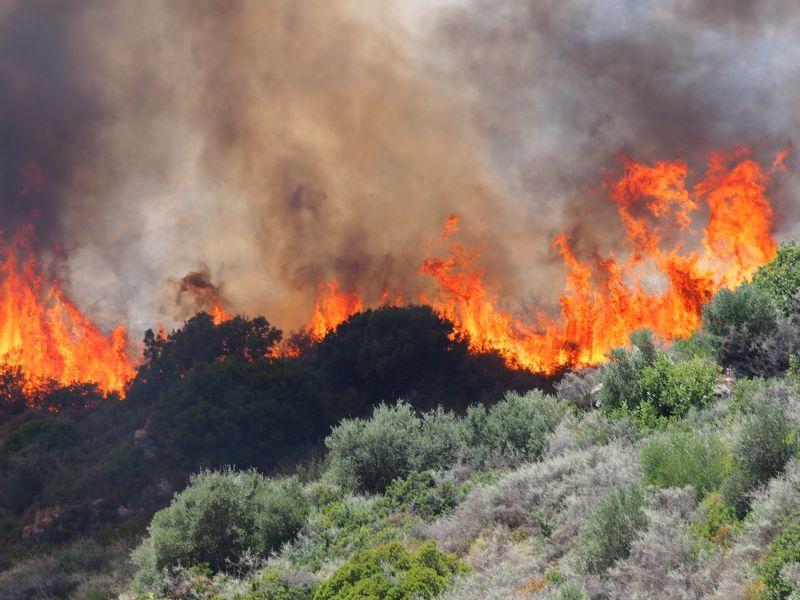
(196,292)
(45,119)
(283,143)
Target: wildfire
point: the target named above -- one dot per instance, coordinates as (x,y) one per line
(45,335)
(602,303)
(219,314)
(331,308)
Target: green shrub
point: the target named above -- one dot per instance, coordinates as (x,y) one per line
(391,571)
(680,458)
(218,517)
(783,550)
(780,278)
(516,428)
(716,521)
(673,388)
(570,591)
(763,446)
(420,494)
(45,433)
(270,587)
(610,529)
(740,324)
(621,379)
(368,454)
(439,440)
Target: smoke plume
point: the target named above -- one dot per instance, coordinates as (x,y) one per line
(270,146)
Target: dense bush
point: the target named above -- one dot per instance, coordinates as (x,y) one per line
(570,591)
(421,494)
(277,407)
(516,428)
(671,389)
(218,517)
(200,341)
(715,521)
(652,389)
(391,571)
(784,550)
(621,379)
(744,328)
(367,454)
(610,529)
(681,458)
(765,443)
(780,278)
(406,352)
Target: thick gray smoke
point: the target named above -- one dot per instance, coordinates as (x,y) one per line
(273,145)
(561,87)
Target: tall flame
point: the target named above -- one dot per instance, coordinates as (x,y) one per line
(331,308)
(601,304)
(46,335)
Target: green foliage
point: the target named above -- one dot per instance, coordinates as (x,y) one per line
(276,406)
(570,591)
(652,389)
(270,587)
(673,388)
(420,494)
(516,428)
(747,309)
(199,341)
(610,528)
(717,521)
(765,443)
(780,278)
(341,524)
(784,550)
(621,379)
(740,324)
(391,572)
(46,432)
(218,517)
(680,458)
(368,454)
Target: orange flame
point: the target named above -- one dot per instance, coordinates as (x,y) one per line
(45,335)
(602,304)
(219,314)
(331,308)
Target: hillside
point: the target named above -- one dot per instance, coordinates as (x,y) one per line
(671,471)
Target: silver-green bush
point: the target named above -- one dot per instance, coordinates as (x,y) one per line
(216,519)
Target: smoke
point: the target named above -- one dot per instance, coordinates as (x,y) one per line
(268,146)
(196,292)
(561,87)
